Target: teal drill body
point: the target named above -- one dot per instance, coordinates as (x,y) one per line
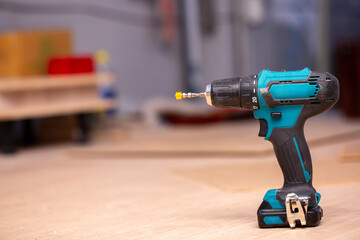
(283,91)
(286,100)
(282,102)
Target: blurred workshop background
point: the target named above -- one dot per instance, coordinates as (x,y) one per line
(93,144)
(119,59)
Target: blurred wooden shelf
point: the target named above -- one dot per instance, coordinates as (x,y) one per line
(56,109)
(45,96)
(12,84)
(26,98)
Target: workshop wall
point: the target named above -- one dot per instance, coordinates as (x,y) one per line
(275,34)
(143,66)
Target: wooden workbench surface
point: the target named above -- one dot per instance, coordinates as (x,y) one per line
(47,193)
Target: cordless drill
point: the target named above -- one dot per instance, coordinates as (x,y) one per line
(282,101)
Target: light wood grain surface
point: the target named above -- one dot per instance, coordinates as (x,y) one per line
(48,194)
(232,139)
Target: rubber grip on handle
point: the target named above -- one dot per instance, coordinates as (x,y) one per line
(294,158)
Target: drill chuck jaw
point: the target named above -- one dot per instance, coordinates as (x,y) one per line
(206,94)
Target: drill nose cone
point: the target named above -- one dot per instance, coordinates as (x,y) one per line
(178,95)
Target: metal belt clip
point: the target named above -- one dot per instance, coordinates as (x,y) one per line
(296,209)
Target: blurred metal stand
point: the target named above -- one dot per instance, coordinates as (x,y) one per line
(240,43)
(191,46)
(322,55)
(244,14)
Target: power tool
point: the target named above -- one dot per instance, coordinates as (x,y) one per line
(282,101)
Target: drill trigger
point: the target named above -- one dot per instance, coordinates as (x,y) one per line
(263,128)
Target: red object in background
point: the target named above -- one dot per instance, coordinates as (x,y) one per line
(83,65)
(60,66)
(167,9)
(219,115)
(70,65)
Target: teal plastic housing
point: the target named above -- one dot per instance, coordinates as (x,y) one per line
(306,173)
(270,197)
(289,114)
(273,220)
(293,91)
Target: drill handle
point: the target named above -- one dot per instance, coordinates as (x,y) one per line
(293,155)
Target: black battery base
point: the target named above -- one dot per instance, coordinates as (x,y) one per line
(273,218)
